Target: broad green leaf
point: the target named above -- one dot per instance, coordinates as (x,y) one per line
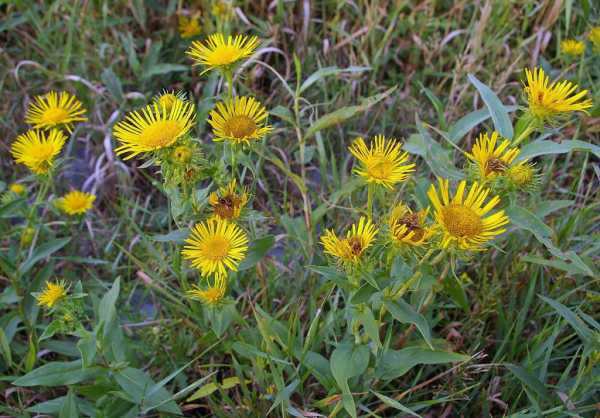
(328,71)
(340,115)
(178,236)
(367,319)
(395,363)
(69,407)
(164,68)
(87,347)
(106,310)
(54,406)
(547,147)
(471,120)
(137,385)
(43,251)
(497,110)
(57,373)
(348,361)
(258,249)
(529,380)
(406,314)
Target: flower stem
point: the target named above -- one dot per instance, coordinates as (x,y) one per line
(370,190)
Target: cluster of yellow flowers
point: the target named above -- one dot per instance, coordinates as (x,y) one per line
(465,221)
(190,25)
(576,48)
(215,246)
(39,147)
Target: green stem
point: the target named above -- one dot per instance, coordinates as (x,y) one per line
(229,78)
(370,190)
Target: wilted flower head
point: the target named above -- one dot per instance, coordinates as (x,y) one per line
(351,248)
(228,203)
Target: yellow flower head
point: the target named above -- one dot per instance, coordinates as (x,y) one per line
(522,175)
(211,295)
(461,220)
(168,98)
(594,38)
(153,128)
(239,120)
(182,154)
(407,227)
(220,53)
(383,163)
(75,202)
(27,236)
(55,109)
(215,246)
(492,160)
(52,294)
(37,149)
(350,249)
(572,47)
(189,26)
(17,188)
(228,203)
(550,100)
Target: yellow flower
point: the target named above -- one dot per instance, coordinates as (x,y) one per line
(215,246)
(55,109)
(521,175)
(75,202)
(220,53)
(37,150)
(17,188)
(351,248)
(168,98)
(594,38)
(239,120)
(407,227)
(383,163)
(52,294)
(211,295)
(227,203)
(462,220)
(551,100)
(189,27)
(153,128)
(572,47)
(492,160)
(27,236)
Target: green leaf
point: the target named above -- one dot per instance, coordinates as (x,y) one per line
(471,120)
(348,361)
(547,147)
(340,115)
(367,319)
(158,69)
(53,406)
(395,404)
(5,348)
(406,314)
(395,363)
(584,332)
(106,310)
(328,71)
(138,384)
(57,373)
(529,380)
(69,406)
(87,347)
(43,251)
(178,236)
(113,84)
(497,110)
(258,249)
